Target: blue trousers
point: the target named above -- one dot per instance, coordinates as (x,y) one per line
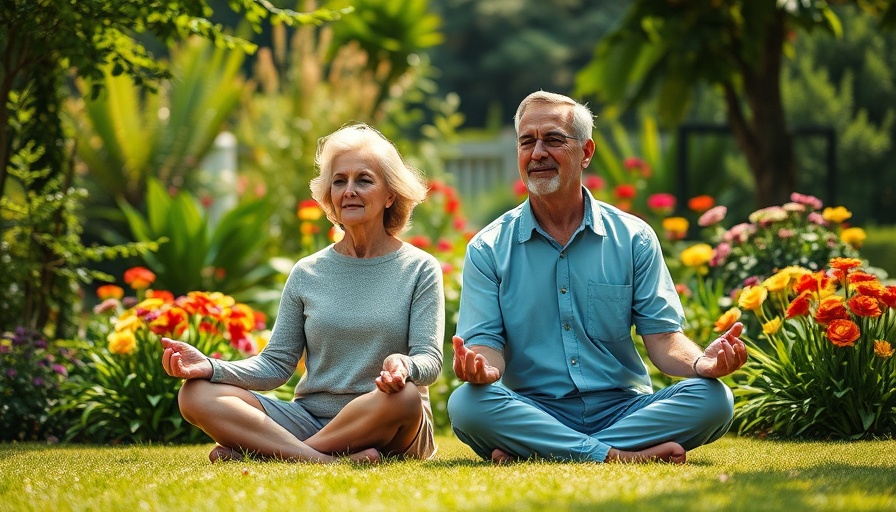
(691,412)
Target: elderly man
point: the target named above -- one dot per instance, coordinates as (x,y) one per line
(550,292)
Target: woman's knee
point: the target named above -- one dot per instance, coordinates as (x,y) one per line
(194,398)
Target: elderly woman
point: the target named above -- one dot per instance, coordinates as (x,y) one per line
(368,314)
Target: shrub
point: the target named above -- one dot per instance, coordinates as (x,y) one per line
(827,370)
(125,394)
(31,373)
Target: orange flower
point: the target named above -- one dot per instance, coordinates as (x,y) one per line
(888,296)
(701,203)
(831,308)
(109,291)
(309,210)
(843,333)
(883,349)
(798,306)
(845,264)
(165,295)
(139,278)
(864,306)
(727,320)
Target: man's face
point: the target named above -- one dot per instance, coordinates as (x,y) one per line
(550,158)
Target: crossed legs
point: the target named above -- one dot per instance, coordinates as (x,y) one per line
(370,424)
(502,425)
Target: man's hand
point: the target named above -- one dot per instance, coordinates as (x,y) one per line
(184,361)
(472,367)
(394,375)
(724,355)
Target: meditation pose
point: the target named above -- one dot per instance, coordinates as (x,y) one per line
(550,292)
(366,312)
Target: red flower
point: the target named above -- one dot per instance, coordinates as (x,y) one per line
(519,188)
(625,191)
(165,295)
(594,183)
(798,306)
(831,308)
(865,306)
(421,241)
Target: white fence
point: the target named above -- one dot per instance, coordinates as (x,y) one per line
(478,167)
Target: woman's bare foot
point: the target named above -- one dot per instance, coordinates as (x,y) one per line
(368,456)
(499,456)
(665,452)
(224,453)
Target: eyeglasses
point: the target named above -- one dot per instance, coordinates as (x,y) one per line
(551,140)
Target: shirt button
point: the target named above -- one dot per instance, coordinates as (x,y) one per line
(562,254)
(562,290)
(573,361)
(566,326)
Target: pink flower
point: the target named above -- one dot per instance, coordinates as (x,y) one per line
(810,201)
(662,202)
(712,216)
(784,233)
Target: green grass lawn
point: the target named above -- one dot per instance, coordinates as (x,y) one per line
(731,474)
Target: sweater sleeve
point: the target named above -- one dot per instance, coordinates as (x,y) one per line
(277,361)
(427,324)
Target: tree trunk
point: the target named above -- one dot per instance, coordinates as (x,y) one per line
(762,134)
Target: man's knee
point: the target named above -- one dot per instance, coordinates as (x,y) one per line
(466,407)
(719,401)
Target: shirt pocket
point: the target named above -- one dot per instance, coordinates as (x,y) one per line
(609,312)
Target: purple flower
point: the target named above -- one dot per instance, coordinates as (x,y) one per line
(11,373)
(58,368)
(38,381)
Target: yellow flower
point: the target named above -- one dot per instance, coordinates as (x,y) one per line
(777,282)
(837,214)
(675,225)
(697,255)
(128,322)
(151,304)
(772,326)
(853,236)
(752,297)
(122,342)
(883,349)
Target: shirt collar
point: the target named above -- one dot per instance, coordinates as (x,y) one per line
(593,219)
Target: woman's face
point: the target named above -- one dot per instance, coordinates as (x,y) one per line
(358,190)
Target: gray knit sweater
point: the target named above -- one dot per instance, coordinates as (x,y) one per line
(347,315)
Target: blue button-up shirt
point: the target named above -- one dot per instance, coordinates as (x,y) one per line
(562,316)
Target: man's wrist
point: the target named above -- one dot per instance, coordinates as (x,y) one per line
(694,365)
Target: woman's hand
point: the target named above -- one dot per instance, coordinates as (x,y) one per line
(394,375)
(184,361)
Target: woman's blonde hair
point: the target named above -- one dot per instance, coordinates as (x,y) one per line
(407,183)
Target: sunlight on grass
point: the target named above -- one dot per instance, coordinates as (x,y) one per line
(731,474)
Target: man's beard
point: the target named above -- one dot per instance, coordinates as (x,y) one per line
(543,186)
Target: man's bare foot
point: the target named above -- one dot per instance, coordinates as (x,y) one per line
(368,456)
(224,453)
(665,452)
(499,456)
